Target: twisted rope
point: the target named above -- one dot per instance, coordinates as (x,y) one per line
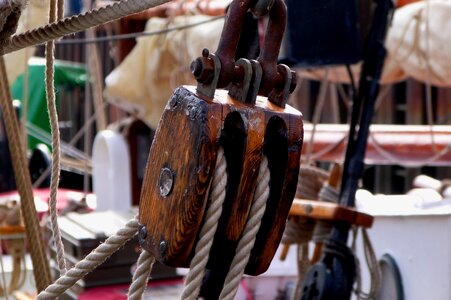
(91,261)
(310,182)
(193,280)
(78,23)
(247,241)
(41,268)
(53,116)
(141,275)
(299,231)
(373,267)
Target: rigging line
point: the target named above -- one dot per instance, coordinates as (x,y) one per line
(353,85)
(78,23)
(321,99)
(429,109)
(344,97)
(71,143)
(318,154)
(395,160)
(55,133)
(383,94)
(125,36)
(36,132)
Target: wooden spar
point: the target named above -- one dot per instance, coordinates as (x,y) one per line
(387,144)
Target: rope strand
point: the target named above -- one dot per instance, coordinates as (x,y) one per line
(78,23)
(91,261)
(53,116)
(247,241)
(141,275)
(193,280)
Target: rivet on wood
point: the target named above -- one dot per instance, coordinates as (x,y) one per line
(142,234)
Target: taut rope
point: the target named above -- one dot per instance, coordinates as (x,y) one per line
(250,231)
(91,261)
(53,116)
(141,275)
(193,280)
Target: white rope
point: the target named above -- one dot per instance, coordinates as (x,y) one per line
(193,280)
(91,261)
(141,275)
(317,113)
(247,241)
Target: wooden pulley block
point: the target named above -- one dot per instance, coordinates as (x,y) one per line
(199,120)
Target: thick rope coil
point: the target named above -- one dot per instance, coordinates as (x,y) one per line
(91,261)
(141,275)
(323,228)
(53,116)
(298,231)
(310,182)
(247,241)
(78,23)
(194,278)
(41,267)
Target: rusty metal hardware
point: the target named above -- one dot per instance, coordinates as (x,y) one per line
(276,82)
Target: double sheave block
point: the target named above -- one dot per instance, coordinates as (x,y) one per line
(196,123)
(181,166)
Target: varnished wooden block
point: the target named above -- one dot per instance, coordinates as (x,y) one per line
(246,133)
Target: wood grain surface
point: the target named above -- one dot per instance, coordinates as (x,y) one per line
(190,131)
(186,144)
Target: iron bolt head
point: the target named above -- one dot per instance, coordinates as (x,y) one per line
(142,235)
